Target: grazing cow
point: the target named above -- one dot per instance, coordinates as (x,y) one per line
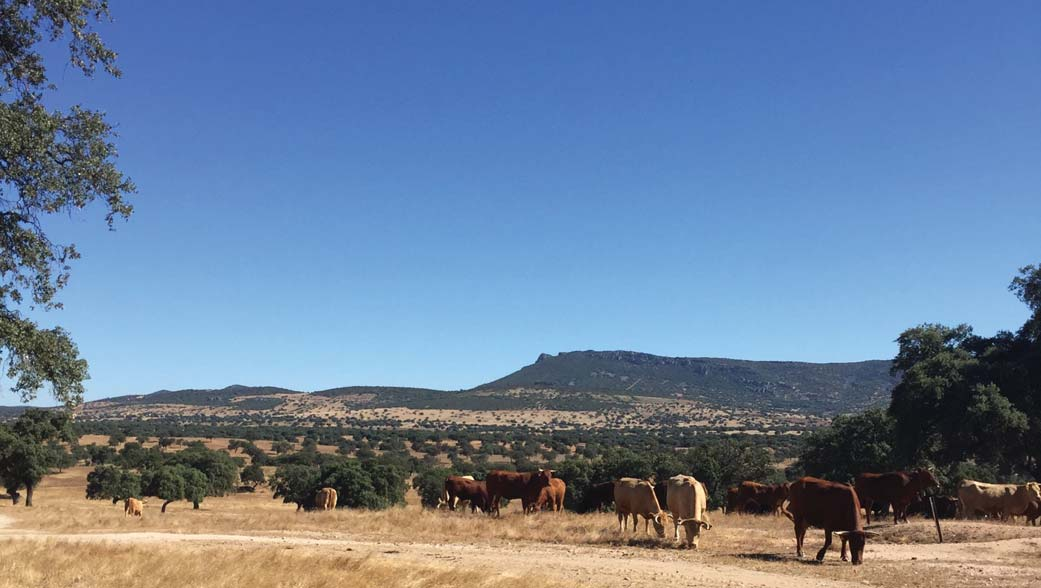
(445,500)
(597,497)
(133,507)
(753,497)
(511,485)
(460,488)
(896,488)
(636,497)
(325,499)
(997,500)
(551,496)
(688,504)
(830,506)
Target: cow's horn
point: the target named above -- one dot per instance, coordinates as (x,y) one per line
(870,534)
(841,533)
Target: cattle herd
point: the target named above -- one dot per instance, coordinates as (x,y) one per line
(808,502)
(840,510)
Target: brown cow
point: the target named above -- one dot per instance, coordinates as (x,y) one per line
(459,488)
(830,506)
(325,499)
(551,496)
(1032,512)
(133,507)
(523,485)
(759,498)
(731,504)
(897,488)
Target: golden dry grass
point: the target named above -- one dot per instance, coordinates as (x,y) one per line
(902,556)
(61,564)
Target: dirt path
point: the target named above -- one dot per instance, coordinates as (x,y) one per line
(581,565)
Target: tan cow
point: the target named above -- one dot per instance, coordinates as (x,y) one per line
(551,496)
(325,499)
(688,503)
(1002,500)
(133,507)
(636,497)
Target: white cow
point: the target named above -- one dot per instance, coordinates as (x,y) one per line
(688,502)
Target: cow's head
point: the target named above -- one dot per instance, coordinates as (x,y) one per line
(1035,491)
(856,540)
(925,478)
(540,479)
(659,521)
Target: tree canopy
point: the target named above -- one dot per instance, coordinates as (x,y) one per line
(969,405)
(52,161)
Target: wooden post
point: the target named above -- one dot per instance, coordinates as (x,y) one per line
(932,507)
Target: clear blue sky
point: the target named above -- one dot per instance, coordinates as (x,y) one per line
(432,194)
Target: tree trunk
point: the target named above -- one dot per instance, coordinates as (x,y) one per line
(164,505)
(15,497)
(28,495)
(195,505)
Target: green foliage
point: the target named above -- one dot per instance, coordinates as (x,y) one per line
(219,469)
(29,450)
(296,483)
(851,445)
(113,482)
(964,398)
(253,475)
(430,484)
(52,161)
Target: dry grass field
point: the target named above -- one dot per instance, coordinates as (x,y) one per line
(252,540)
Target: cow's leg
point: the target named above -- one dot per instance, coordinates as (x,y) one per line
(800,535)
(676,527)
(866,503)
(827,544)
(844,548)
(620,517)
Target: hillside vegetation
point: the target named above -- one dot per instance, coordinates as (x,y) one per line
(594,381)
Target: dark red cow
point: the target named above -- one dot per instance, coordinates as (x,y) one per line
(476,491)
(896,488)
(731,505)
(753,497)
(598,497)
(830,506)
(512,485)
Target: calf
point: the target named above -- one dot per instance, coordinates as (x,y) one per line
(551,496)
(688,503)
(830,506)
(896,488)
(636,497)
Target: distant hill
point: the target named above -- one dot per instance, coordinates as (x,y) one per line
(612,388)
(222,397)
(813,387)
